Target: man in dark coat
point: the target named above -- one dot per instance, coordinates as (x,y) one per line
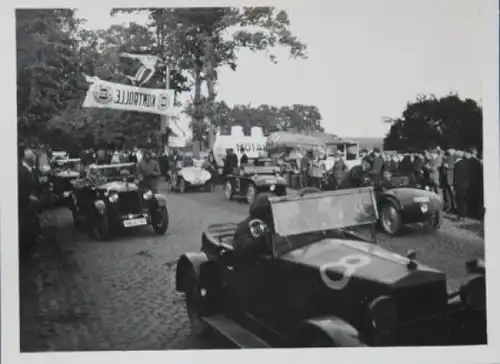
(358,176)
(230,162)
(447,180)
(462,183)
(247,246)
(377,166)
(432,167)
(244,157)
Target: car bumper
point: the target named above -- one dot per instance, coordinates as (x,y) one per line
(419,212)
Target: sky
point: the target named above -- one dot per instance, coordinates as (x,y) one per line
(366,59)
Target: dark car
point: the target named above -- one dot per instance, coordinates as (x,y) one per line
(259,175)
(320,280)
(63,173)
(108,199)
(401,203)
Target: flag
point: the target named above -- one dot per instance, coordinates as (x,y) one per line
(140,68)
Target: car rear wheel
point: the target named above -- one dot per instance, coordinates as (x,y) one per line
(195,308)
(434,222)
(100,227)
(160,221)
(251,193)
(228,190)
(390,219)
(182,185)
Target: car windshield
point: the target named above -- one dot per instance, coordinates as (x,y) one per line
(302,220)
(67,164)
(113,172)
(260,166)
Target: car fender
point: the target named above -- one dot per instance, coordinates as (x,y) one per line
(341,333)
(387,197)
(189,263)
(162,200)
(100,206)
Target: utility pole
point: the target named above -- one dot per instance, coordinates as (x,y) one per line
(164,123)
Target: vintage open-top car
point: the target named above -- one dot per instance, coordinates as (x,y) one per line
(259,175)
(108,199)
(403,203)
(318,279)
(190,174)
(63,172)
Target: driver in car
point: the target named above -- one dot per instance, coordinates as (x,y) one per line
(249,243)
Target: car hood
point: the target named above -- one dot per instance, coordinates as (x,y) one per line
(382,266)
(194,173)
(67,174)
(409,194)
(119,186)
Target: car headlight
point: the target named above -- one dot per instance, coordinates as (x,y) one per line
(148,195)
(382,313)
(272,187)
(427,188)
(424,208)
(473,292)
(113,198)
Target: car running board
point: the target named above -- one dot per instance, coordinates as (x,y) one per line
(238,335)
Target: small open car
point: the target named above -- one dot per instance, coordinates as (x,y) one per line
(63,172)
(402,203)
(189,174)
(259,175)
(317,280)
(108,199)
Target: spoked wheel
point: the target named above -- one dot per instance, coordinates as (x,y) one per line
(228,190)
(251,193)
(390,219)
(194,308)
(160,221)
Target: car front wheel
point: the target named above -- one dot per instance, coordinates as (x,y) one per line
(160,220)
(101,227)
(390,219)
(228,190)
(251,193)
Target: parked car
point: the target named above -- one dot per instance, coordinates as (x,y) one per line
(321,280)
(108,200)
(63,172)
(403,203)
(189,174)
(259,175)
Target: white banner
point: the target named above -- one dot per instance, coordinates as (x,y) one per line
(109,95)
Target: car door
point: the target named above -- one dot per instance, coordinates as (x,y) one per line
(251,288)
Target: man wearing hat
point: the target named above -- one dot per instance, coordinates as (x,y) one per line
(377,166)
(432,166)
(462,182)
(338,170)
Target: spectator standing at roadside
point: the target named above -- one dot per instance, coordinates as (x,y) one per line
(149,172)
(316,172)
(433,166)
(448,180)
(462,182)
(475,195)
(305,163)
(376,166)
(339,169)
(244,157)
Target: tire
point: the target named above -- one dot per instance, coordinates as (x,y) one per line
(391,220)
(182,185)
(196,309)
(434,222)
(228,190)
(251,193)
(100,227)
(161,227)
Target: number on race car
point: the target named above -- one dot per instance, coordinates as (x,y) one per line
(350,264)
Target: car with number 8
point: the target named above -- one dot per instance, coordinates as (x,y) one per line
(320,279)
(108,200)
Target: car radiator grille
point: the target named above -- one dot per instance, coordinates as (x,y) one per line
(130,203)
(421,314)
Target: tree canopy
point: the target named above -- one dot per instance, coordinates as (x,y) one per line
(429,121)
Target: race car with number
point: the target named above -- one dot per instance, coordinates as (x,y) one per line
(321,280)
(257,176)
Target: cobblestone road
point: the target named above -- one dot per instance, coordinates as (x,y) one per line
(80,294)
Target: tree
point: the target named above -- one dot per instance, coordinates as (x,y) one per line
(429,121)
(196,39)
(47,66)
